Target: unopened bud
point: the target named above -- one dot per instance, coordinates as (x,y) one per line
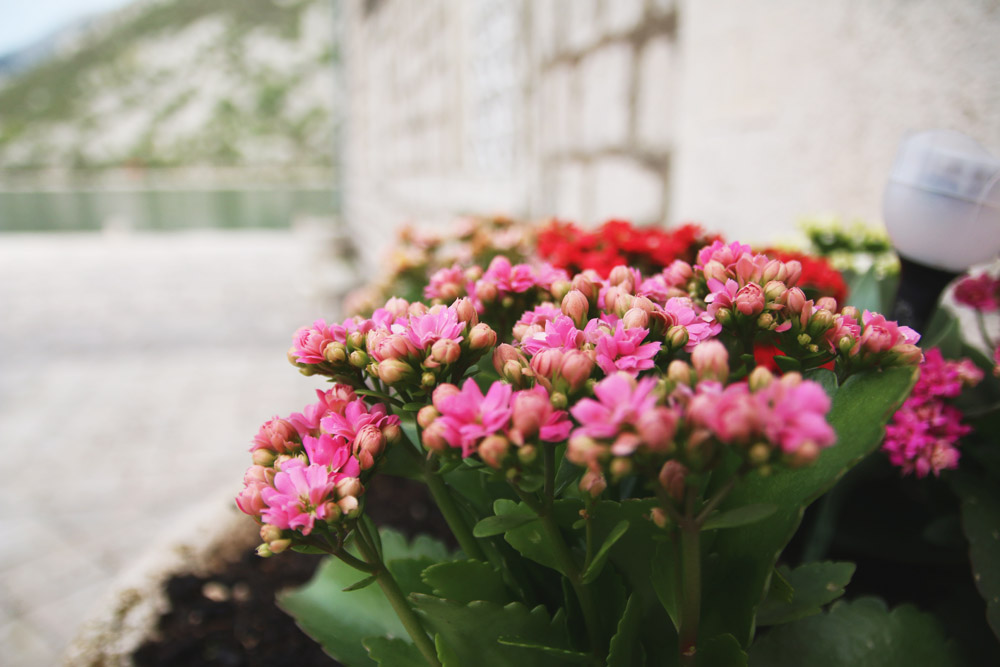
(724,316)
(636,318)
(356,340)
(348,486)
(278,546)
(293,356)
(392,371)
(679,372)
(349,506)
(392,432)
(358,359)
(659,517)
(269,533)
(527,454)
(673,477)
(263,457)
(620,467)
(826,303)
(622,276)
(427,415)
(558,400)
(446,351)
(803,339)
(512,372)
(593,483)
(585,286)
(576,306)
(335,353)
(264,551)
(711,361)
(493,450)
(677,337)
(486,291)
(759,454)
(774,289)
(482,336)
(576,368)
(428,380)
(433,437)
(765,321)
(466,312)
(760,378)
(806,454)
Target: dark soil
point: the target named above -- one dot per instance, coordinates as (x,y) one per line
(230,618)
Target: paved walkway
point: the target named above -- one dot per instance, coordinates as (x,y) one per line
(133,372)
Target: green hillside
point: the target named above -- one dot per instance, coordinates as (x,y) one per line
(179,83)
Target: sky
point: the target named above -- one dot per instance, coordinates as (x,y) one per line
(23,22)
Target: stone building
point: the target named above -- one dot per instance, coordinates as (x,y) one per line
(744,116)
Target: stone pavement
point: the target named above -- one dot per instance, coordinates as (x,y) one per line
(133,372)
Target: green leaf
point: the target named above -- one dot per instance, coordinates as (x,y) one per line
(744,558)
(597,564)
(865,292)
(825,377)
(471,632)
(741,516)
(466,581)
(393,652)
(531,540)
(307,549)
(787,364)
(663,578)
(813,585)
(497,525)
(444,653)
(780,589)
(862,632)
(340,620)
(622,652)
(415,406)
(564,656)
(722,651)
(358,585)
(981,523)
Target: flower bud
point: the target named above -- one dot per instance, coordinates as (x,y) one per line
(907,354)
(434,437)
(428,379)
(486,291)
(466,312)
(583,284)
(795,300)
(358,359)
(392,371)
(527,454)
(502,354)
(619,468)
(673,476)
(760,378)
(427,415)
(724,316)
(659,517)
(806,454)
(765,321)
(576,306)
(349,506)
(576,368)
(547,362)
(512,372)
(560,288)
(529,411)
(679,372)
(493,450)
(293,356)
(623,277)
(819,323)
(446,351)
(263,457)
(749,300)
(264,551)
(335,353)
(677,337)
(593,483)
(278,546)
(759,454)
(636,318)
(417,309)
(711,361)
(826,303)
(794,268)
(582,450)
(348,486)
(558,400)
(356,340)
(269,533)
(657,428)
(482,336)
(774,290)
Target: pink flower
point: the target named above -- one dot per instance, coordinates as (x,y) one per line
(277,435)
(796,414)
(679,311)
(300,496)
(437,324)
(332,452)
(249,499)
(881,335)
(621,400)
(532,414)
(309,343)
(355,417)
(561,334)
(732,414)
(468,416)
(447,284)
(727,255)
(508,279)
(981,293)
(625,351)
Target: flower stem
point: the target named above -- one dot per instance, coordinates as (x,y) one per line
(981,321)
(397,599)
(690,535)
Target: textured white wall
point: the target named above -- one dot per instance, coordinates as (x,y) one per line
(788,108)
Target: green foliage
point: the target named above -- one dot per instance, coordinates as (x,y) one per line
(736,578)
(981,523)
(861,633)
(466,581)
(803,591)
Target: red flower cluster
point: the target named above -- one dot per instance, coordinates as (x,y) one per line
(819,278)
(617,242)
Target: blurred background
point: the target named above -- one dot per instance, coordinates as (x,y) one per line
(183,183)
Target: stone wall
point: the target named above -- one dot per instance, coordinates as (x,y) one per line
(745,117)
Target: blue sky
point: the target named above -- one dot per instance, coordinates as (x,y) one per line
(23,22)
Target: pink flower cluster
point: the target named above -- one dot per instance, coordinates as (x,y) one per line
(924,433)
(306,467)
(981,292)
(467,420)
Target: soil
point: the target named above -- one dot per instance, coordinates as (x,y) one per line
(230,619)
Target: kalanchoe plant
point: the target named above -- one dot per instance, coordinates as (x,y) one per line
(619,473)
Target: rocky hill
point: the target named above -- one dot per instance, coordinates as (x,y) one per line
(179,83)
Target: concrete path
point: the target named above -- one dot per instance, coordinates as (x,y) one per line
(134,370)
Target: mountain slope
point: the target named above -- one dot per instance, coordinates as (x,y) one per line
(181,83)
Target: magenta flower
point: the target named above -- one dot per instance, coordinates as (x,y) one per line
(981,293)
(679,311)
(732,414)
(332,452)
(621,400)
(624,351)
(356,416)
(508,279)
(727,255)
(467,416)
(881,335)
(277,435)
(447,284)
(532,414)
(301,494)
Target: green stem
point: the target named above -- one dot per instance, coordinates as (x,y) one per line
(397,599)
(446,503)
(981,321)
(690,559)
